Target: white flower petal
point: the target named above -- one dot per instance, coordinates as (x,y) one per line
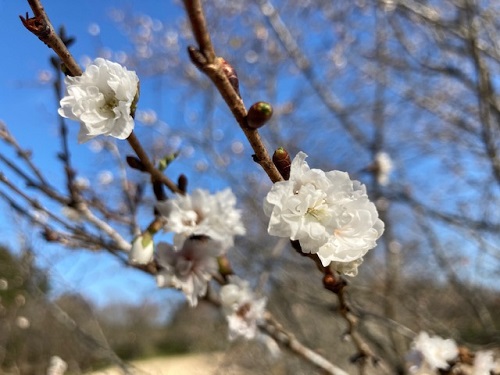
(203,214)
(327,212)
(101,100)
(436,351)
(142,250)
(189,268)
(242,308)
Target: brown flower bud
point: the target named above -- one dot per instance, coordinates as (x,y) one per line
(135,163)
(282,161)
(182,183)
(231,75)
(258,114)
(224,266)
(50,235)
(197,57)
(332,283)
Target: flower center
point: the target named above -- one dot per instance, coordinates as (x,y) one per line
(243,310)
(318,209)
(314,212)
(110,104)
(192,218)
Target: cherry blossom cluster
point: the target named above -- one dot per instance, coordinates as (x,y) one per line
(329,213)
(204,226)
(435,355)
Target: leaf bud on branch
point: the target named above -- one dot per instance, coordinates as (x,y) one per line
(259,114)
(282,161)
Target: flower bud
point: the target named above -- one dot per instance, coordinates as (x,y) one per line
(182,183)
(135,163)
(231,75)
(258,114)
(224,266)
(142,249)
(197,58)
(167,160)
(133,106)
(159,191)
(282,161)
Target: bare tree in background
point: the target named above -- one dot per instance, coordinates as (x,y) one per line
(400,94)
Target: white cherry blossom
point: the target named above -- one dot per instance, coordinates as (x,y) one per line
(203,214)
(242,308)
(435,351)
(188,269)
(329,213)
(102,100)
(383,164)
(485,364)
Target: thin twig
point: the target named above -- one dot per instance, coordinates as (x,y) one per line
(83,209)
(41,26)
(155,173)
(25,155)
(277,332)
(303,64)
(199,26)
(129,198)
(212,67)
(46,189)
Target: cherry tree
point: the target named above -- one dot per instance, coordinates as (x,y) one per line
(402,52)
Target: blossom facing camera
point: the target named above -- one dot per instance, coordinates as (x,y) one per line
(329,213)
(432,352)
(188,269)
(203,214)
(243,310)
(102,99)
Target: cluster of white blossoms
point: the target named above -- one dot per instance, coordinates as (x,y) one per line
(433,355)
(329,214)
(243,310)
(204,226)
(102,100)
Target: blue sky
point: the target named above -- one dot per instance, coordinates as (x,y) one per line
(29,110)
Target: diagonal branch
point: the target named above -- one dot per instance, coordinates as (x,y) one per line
(41,26)
(205,60)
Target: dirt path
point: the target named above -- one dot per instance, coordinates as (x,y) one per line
(196,364)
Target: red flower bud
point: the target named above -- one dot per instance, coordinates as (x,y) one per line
(282,161)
